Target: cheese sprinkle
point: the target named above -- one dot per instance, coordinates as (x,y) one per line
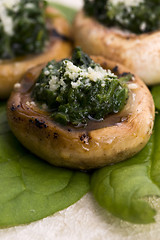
(7,20)
(127,2)
(76,74)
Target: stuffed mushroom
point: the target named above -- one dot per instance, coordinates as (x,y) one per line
(31,33)
(125,31)
(82,112)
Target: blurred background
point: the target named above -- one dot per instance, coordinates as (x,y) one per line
(71,3)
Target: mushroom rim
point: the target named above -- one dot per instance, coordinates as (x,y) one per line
(119,32)
(82,146)
(138,52)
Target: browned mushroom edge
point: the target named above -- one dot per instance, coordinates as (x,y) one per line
(117,138)
(140,53)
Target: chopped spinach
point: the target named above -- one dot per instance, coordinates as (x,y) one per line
(29,30)
(73,97)
(141,18)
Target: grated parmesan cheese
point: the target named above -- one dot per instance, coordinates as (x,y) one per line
(53,83)
(91,74)
(29,5)
(77,74)
(31,104)
(17,85)
(7,21)
(143,26)
(127,2)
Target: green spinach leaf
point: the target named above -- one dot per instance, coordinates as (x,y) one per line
(3,119)
(156,96)
(31,189)
(123,188)
(68,12)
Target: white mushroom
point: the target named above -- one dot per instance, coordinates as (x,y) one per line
(117,138)
(140,53)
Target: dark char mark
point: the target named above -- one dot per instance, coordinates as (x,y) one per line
(125,74)
(84,138)
(115,69)
(55,135)
(13,108)
(40,124)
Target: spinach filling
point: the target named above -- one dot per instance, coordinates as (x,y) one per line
(79,90)
(137,18)
(28,34)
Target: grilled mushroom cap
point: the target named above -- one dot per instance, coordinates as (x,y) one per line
(11,71)
(140,53)
(117,138)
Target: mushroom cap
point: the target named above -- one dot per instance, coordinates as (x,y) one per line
(140,53)
(11,71)
(117,138)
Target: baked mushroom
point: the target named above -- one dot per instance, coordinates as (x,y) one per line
(31,33)
(80,114)
(123,31)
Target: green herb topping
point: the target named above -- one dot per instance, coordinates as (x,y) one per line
(22,27)
(79,89)
(138,16)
